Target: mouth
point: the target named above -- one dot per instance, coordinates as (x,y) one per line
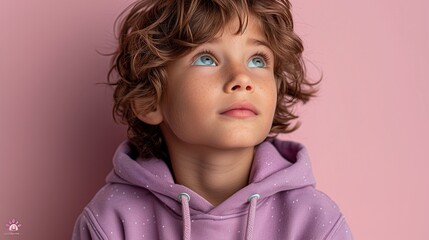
(240,110)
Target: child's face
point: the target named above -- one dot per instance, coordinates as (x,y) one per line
(223,94)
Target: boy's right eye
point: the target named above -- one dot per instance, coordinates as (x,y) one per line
(204,60)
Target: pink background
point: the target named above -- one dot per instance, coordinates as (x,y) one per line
(367,132)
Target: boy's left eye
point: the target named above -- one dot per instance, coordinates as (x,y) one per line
(257,62)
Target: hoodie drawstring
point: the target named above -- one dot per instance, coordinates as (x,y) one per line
(251,216)
(184,198)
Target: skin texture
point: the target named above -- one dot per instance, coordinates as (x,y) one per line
(218,105)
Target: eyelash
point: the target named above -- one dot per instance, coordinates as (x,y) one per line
(204,52)
(264,56)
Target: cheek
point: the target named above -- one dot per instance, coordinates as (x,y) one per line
(187,110)
(270,92)
(191,99)
(270,103)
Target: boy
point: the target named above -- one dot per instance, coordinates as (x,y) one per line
(204,86)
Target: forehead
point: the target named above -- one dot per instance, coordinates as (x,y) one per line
(252,29)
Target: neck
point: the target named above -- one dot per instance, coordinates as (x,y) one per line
(213,174)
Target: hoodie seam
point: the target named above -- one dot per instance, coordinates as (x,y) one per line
(95,225)
(213,217)
(339,223)
(237,214)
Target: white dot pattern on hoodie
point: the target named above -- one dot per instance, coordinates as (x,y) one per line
(139,202)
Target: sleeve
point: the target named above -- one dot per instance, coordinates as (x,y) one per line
(87,228)
(340,231)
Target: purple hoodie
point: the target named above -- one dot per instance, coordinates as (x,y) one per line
(141,201)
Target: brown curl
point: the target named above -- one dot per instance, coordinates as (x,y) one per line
(153,33)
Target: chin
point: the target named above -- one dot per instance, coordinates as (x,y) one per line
(240,142)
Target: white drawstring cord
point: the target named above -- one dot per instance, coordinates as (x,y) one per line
(184,198)
(251,216)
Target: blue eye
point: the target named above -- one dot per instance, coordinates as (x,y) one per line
(204,60)
(257,62)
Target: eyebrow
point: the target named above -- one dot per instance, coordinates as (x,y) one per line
(250,41)
(258,42)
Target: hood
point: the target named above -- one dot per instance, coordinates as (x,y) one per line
(277,166)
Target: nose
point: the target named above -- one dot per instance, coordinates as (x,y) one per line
(239,80)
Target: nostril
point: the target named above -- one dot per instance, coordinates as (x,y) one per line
(248,88)
(235,87)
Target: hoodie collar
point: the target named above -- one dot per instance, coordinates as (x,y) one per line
(277,166)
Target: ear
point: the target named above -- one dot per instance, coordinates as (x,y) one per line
(151,116)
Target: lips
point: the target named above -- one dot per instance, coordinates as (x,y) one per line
(240,110)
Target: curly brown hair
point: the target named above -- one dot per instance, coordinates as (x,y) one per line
(153,33)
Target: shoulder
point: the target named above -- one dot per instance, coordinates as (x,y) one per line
(313,199)
(114,205)
(315,214)
(118,202)
(118,197)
